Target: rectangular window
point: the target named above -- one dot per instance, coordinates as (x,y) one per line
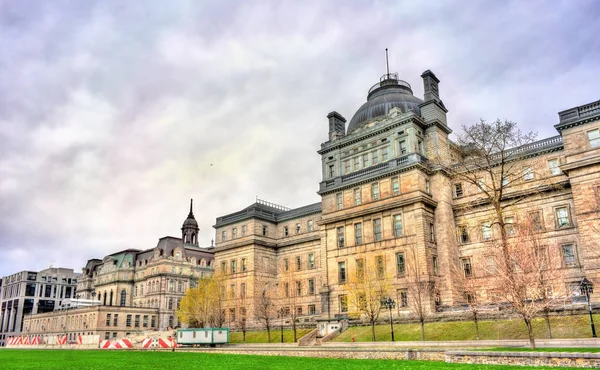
(527,174)
(402,147)
(365,159)
(427,186)
(243,230)
(360,269)
(377,229)
(505,181)
(299,311)
(243,290)
(358,233)
(297,228)
(384,154)
(463,234)
(356,163)
(137,321)
(298,263)
(244,265)
(286,264)
(309,225)
(568,254)
(397,226)
(339,201)
(116,319)
(357,197)
(331,171)
(286,290)
(380,267)
(233,266)
(232,291)
(340,236)
(431,232)
(348,166)
(509,225)
(375,191)
(264,231)
(536,221)
(402,298)
(458,190)
(467,267)
(312,309)
(434,264)
(481,183)
(562,217)
(486,231)
(400,264)
(395,186)
(553,167)
(145,321)
(128,321)
(108,316)
(234,233)
(375,155)
(224,235)
(594,138)
(311,286)
(285,231)
(343,302)
(232,314)
(341,272)
(298,288)
(311,260)
(224,267)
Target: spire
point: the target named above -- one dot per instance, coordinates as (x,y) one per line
(191,215)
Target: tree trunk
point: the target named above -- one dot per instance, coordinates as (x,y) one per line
(244,335)
(476,320)
(547,318)
(422,330)
(373,331)
(294,327)
(530,333)
(269,334)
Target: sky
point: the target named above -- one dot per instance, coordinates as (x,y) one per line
(113,114)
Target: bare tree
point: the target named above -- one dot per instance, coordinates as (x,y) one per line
(468,284)
(291,291)
(264,309)
(242,317)
(418,286)
(368,288)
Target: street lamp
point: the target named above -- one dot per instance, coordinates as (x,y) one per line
(389,303)
(281,314)
(586,287)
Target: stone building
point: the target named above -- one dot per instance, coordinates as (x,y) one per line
(28,292)
(385,202)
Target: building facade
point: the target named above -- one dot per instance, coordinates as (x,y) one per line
(28,292)
(387,203)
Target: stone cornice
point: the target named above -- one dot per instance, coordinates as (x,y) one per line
(579,164)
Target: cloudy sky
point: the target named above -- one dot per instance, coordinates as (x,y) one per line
(113,114)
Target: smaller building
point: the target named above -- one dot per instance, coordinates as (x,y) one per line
(106,321)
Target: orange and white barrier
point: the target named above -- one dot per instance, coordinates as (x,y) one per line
(116,344)
(166,343)
(61,339)
(148,343)
(79,339)
(36,340)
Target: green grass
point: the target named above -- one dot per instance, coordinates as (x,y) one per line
(124,360)
(562,327)
(526,349)
(261,336)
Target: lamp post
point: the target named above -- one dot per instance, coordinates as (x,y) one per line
(281,314)
(587,288)
(389,303)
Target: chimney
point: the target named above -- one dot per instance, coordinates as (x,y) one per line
(337,126)
(430,86)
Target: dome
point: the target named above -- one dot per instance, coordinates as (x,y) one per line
(190,222)
(389,93)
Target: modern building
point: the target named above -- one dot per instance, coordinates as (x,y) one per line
(28,292)
(386,203)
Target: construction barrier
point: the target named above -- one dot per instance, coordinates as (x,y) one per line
(148,343)
(116,344)
(79,340)
(166,343)
(61,339)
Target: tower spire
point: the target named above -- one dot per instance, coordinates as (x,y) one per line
(387,63)
(191,215)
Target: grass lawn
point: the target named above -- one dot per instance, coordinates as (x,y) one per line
(261,336)
(562,327)
(123,360)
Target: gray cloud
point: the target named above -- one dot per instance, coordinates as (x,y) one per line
(113,114)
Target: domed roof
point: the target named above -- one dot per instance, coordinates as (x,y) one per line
(389,93)
(190,221)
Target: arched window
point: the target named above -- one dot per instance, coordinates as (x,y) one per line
(171,286)
(170,304)
(179,287)
(123,297)
(193,238)
(171,321)
(111,298)
(104,302)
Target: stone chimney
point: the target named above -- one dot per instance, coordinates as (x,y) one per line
(337,126)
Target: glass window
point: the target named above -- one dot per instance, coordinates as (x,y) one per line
(360,269)
(434,264)
(375,191)
(398,226)
(331,170)
(286,264)
(384,154)
(234,233)
(358,233)
(224,235)
(402,298)
(339,201)
(343,301)
(224,267)
(298,263)
(536,220)
(402,147)
(486,231)
(244,264)
(311,261)
(285,231)
(264,231)
(108,317)
(562,217)
(298,288)
(528,174)
(311,286)
(375,155)
(568,253)
(356,163)
(312,310)
(128,321)
(377,229)
(341,272)
(116,319)
(467,267)
(380,267)
(297,228)
(243,230)
(458,190)
(309,225)
(233,266)
(340,236)
(365,158)
(357,197)
(347,166)
(509,225)
(594,138)
(463,234)
(242,290)
(431,232)
(395,186)
(400,264)
(145,321)
(553,167)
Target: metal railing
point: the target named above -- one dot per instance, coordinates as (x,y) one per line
(580,112)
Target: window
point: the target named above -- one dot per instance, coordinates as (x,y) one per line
(486,231)
(431,232)
(108,316)
(400,264)
(224,267)
(402,147)
(377,229)
(463,234)
(505,181)
(297,228)
(594,138)
(285,231)
(568,254)
(311,261)
(286,290)
(298,263)
(224,235)
(384,154)
(298,288)
(340,236)
(243,290)
(244,265)
(358,233)
(527,174)
(562,217)
(312,309)
(232,314)
(434,264)
(234,233)
(509,225)
(357,197)
(467,267)
(123,298)
(331,171)
(170,304)
(232,291)
(339,201)
(398,226)
(264,231)
(243,230)
(343,302)
(481,183)
(356,163)
(128,321)
(360,269)
(536,220)
(116,319)
(375,191)
(403,298)
(309,225)
(137,321)
(553,167)
(365,158)
(145,321)
(380,267)
(395,186)
(427,186)
(348,166)
(458,190)
(341,272)
(286,264)
(233,266)
(420,146)
(375,155)
(311,286)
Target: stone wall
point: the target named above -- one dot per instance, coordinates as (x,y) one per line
(525,358)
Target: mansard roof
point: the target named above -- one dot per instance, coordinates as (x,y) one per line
(270,212)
